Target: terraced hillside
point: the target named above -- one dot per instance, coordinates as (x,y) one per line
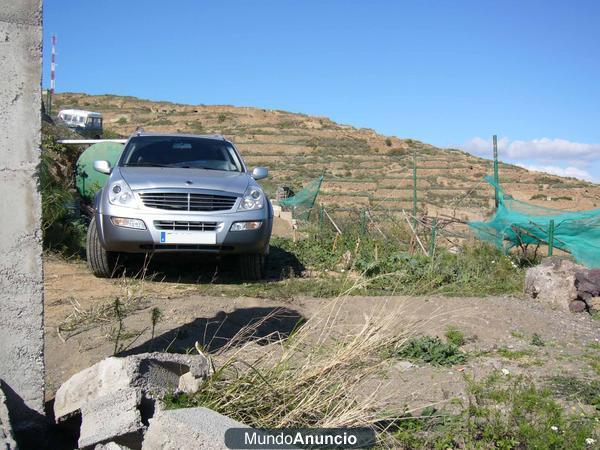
(362,169)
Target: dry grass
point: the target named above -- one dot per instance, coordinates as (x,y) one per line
(83,318)
(321,376)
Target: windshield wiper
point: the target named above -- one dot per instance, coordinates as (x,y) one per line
(194,167)
(145,165)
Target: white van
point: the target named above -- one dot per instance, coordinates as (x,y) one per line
(84,122)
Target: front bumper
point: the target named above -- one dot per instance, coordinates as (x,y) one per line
(119,239)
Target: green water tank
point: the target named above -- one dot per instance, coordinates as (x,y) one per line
(87,180)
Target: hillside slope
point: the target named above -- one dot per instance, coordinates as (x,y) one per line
(363,169)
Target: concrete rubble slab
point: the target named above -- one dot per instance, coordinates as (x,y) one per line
(189,428)
(113,417)
(153,374)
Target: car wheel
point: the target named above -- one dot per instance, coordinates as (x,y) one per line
(252,266)
(101,263)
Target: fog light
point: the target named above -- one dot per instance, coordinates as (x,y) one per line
(243,226)
(128,223)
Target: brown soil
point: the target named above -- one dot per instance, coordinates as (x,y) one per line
(489,323)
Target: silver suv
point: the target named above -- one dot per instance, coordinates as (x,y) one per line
(180,193)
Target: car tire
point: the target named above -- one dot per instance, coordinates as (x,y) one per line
(253,266)
(101,263)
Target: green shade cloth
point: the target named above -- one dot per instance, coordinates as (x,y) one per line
(302,203)
(517,222)
(87,180)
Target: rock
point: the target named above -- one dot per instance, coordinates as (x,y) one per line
(594,304)
(7,438)
(577,306)
(153,374)
(553,282)
(587,283)
(110,446)
(189,384)
(113,417)
(404,365)
(189,428)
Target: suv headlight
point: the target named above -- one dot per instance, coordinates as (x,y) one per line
(120,194)
(253,198)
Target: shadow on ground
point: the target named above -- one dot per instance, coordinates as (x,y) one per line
(259,324)
(200,269)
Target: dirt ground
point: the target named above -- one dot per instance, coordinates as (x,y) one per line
(80,328)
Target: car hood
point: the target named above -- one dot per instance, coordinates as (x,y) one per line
(169,178)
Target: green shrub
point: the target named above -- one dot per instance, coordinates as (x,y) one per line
(480,269)
(431,350)
(62,228)
(539,197)
(575,389)
(537,340)
(501,414)
(455,336)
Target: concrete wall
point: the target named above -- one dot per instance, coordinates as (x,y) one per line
(21,294)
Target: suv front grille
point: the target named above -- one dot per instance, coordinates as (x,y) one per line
(185,226)
(187,201)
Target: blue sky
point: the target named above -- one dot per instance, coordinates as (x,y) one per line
(451,73)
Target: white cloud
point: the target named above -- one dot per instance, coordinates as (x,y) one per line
(544,149)
(560,171)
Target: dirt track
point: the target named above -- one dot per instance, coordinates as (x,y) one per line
(491,323)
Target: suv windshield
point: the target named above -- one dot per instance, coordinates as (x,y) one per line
(183,152)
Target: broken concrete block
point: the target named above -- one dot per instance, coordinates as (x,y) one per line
(553,282)
(154,374)
(189,428)
(276,210)
(113,417)
(7,438)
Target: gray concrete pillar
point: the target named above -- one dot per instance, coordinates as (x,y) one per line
(21,287)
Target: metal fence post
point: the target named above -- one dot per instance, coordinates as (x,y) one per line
(414,210)
(321,215)
(433,237)
(551,237)
(496,175)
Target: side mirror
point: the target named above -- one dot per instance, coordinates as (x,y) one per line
(102,167)
(260,172)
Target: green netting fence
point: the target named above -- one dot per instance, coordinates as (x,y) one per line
(302,203)
(516,223)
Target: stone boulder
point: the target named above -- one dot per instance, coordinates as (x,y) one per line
(564,285)
(553,282)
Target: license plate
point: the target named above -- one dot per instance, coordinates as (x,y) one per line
(188,237)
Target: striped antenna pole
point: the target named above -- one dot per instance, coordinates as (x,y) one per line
(52,73)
